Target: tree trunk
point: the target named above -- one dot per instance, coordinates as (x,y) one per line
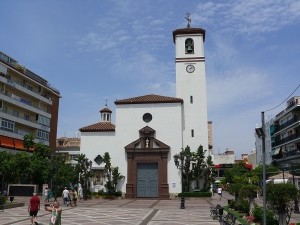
(282,219)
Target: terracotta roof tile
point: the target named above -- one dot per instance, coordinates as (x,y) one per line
(189,30)
(146,99)
(105,110)
(102,126)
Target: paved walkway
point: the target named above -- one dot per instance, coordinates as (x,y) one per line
(126,211)
(123,211)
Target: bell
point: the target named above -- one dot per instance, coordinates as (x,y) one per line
(189,49)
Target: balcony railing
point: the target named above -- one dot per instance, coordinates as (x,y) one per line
(286,124)
(283,155)
(286,139)
(27,87)
(24,101)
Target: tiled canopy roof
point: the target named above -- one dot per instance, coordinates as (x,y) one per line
(102,126)
(105,110)
(189,30)
(149,99)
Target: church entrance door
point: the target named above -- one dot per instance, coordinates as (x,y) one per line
(147,180)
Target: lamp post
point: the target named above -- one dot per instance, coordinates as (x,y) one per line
(261,134)
(180,165)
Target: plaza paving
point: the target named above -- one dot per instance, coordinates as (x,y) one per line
(123,211)
(126,211)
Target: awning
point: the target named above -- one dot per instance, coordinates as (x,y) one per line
(276,152)
(7,142)
(19,144)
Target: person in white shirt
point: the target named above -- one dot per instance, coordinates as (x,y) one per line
(65,195)
(220,192)
(46,191)
(80,193)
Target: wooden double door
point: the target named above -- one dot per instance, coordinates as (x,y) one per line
(147,180)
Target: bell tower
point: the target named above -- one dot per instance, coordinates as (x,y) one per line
(191,84)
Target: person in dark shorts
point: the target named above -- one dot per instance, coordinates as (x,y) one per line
(33,208)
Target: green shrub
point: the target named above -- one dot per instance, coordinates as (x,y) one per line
(231,203)
(258,216)
(3,200)
(242,205)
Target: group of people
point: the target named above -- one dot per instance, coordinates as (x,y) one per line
(69,197)
(34,207)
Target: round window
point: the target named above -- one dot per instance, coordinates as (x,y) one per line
(147,117)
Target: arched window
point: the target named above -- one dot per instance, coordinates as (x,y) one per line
(189,46)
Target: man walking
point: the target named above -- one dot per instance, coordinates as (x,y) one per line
(65,195)
(33,208)
(220,192)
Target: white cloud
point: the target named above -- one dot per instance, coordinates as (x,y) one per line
(249,17)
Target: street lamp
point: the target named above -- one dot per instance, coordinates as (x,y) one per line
(179,164)
(261,134)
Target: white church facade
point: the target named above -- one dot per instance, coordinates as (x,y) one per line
(149,130)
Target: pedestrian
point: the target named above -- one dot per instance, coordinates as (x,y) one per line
(65,195)
(80,193)
(46,192)
(75,196)
(56,211)
(33,208)
(70,198)
(220,192)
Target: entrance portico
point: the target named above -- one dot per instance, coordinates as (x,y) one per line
(147,159)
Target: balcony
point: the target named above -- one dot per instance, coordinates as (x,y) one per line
(25,120)
(23,103)
(287,155)
(286,139)
(26,89)
(286,124)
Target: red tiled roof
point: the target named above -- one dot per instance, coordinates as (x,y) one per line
(146,99)
(102,126)
(105,110)
(189,30)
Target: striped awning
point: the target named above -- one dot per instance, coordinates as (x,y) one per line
(7,142)
(19,144)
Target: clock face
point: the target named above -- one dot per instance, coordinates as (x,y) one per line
(190,68)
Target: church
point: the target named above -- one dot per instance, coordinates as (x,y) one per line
(150,129)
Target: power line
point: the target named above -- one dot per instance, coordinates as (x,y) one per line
(284,99)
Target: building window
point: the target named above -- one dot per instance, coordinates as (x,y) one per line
(26,117)
(192,133)
(43,120)
(7,125)
(147,117)
(43,135)
(191,99)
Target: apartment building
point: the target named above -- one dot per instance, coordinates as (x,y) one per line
(28,105)
(285,133)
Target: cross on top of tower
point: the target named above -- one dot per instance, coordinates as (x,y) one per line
(106,102)
(188,19)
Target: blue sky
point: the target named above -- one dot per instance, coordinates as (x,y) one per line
(94,50)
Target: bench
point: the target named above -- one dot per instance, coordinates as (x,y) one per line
(216,212)
(228,219)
